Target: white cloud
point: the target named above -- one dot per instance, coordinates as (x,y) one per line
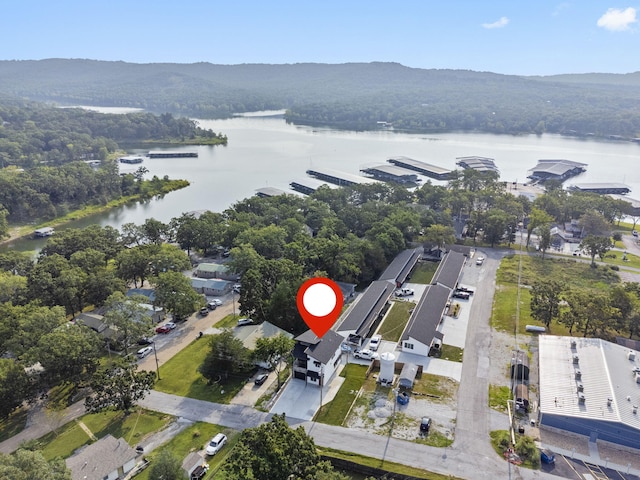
(618,20)
(498,24)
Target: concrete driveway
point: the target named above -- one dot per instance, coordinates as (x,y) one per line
(251,392)
(301,401)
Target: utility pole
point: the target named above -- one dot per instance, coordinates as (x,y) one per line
(157,365)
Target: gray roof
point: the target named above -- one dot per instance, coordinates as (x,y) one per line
(556,167)
(427,315)
(321,349)
(605,372)
(96,461)
(401,266)
(449,270)
(391,170)
(367,307)
(421,165)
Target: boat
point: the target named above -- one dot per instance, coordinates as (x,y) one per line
(43,232)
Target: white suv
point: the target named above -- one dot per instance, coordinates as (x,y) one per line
(216,444)
(374,343)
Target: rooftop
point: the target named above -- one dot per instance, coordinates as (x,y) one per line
(367,307)
(427,315)
(98,460)
(420,165)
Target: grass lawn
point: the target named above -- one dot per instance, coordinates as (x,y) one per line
(423,273)
(132,428)
(14,424)
(334,412)
(449,352)
(395,320)
(180,376)
(194,438)
(568,272)
(498,397)
(229,321)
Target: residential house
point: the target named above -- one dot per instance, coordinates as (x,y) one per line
(421,333)
(215,270)
(316,360)
(107,459)
(211,286)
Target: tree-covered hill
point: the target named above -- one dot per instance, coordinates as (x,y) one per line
(352,95)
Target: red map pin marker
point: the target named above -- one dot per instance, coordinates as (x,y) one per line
(319,303)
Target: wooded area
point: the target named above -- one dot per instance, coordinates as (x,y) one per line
(352,96)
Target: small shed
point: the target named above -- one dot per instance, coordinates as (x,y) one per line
(408,375)
(519,366)
(521,396)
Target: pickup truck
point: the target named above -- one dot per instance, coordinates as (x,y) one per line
(404,292)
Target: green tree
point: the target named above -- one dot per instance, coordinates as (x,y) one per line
(128,317)
(440,235)
(227,357)
(28,465)
(594,245)
(175,293)
(118,386)
(545,301)
(272,350)
(166,466)
(70,353)
(537,219)
(15,386)
(275,451)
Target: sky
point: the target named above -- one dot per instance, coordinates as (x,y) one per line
(519,37)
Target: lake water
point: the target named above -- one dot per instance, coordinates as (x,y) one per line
(266,151)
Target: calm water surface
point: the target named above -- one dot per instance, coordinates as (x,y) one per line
(265,151)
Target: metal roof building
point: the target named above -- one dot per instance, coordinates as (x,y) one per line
(391,173)
(481,164)
(309,185)
(588,386)
(449,270)
(423,168)
(342,179)
(399,269)
(603,188)
(556,170)
(367,309)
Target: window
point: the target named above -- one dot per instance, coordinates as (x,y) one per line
(317,364)
(408,345)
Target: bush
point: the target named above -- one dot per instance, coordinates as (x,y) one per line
(614,267)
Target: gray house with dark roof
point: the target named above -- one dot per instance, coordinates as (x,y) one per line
(400,268)
(107,459)
(449,271)
(421,333)
(316,360)
(368,308)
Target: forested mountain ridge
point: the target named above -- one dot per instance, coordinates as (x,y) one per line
(352,95)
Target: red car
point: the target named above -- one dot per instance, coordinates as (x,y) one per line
(166,328)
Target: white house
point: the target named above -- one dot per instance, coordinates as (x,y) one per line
(316,360)
(107,459)
(421,333)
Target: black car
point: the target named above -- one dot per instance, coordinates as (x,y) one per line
(260,379)
(425,425)
(461,295)
(145,341)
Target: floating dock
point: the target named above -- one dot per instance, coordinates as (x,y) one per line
(480,164)
(168,154)
(602,188)
(342,179)
(273,192)
(133,159)
(391,173)
(556,170)
(308,186)
(432,171)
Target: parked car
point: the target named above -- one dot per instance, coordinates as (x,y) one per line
(216,444)
(479,260)
(365,354)
(145,341)
(465,289)
(374,343)
(237,287)
(425,425)
(213,304)
(547,456)
(143,352)
(461,295)
(204,311)
(166,328)
(244,321)
(404,292)
(260,379)
(634,233)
